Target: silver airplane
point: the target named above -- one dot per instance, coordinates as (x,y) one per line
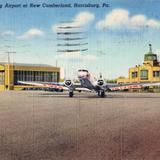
(89,83)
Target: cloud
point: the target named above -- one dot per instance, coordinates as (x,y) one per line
(76,56)
(7,33)
(121,19)
(81,19)
(32,33)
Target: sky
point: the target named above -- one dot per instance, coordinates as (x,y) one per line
(117,35)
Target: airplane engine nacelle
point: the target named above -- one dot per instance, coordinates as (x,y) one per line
(100,82)
(68,83)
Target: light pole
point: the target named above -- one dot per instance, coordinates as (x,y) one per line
(8,54)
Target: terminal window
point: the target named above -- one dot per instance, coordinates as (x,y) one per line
(1,77)
(134,74)
(37,76)
(156,73)
(144,74)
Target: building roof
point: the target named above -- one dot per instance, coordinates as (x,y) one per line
(28,64)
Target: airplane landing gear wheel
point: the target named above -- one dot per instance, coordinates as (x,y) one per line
(70,94)
(101,94)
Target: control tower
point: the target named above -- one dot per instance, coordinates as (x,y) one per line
(150,57)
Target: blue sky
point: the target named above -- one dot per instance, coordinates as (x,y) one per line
(117,36)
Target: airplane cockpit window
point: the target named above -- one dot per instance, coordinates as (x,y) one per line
(83,73)
(83,70)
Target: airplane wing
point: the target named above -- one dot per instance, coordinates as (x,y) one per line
(114,87)
(55,85)
(44,84)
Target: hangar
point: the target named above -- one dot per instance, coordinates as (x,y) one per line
(10,74)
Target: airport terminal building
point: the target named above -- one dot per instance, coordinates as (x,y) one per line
(148,72)
(10,74)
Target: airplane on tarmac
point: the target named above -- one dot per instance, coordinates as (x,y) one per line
(89,83)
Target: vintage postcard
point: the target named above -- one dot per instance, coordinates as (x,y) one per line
(79,80)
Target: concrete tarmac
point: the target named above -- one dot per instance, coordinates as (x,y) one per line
(51,126)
